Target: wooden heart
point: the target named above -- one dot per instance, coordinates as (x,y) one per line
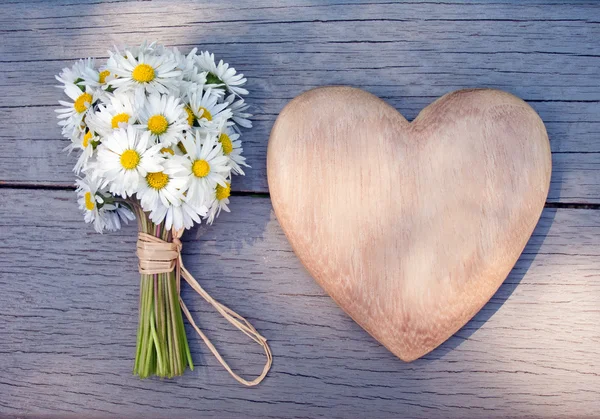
(410,227)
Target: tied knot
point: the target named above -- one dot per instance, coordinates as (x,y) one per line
(177,242)
(155,255)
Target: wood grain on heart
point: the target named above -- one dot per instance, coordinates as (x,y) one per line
(410,227)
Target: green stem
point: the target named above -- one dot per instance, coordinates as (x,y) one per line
(139,332)
(169,335)
(157,344)
(174,307)
(161,348)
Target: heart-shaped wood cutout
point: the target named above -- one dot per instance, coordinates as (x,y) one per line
(410,227)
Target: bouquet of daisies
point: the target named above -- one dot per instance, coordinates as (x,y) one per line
(158,137)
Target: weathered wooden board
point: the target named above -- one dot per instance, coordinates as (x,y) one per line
(68,305)
(407,53)
(575,178)
(68,296)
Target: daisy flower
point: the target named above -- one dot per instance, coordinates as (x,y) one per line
(206,166)
(219,202)
(206,109)
(232,148)
(164,118)
(190,73)
(117,111)
(72,115)
(144,73)
(172,150)
(99,206)
(84,73)
(221,75)
(85,142)
(164,188)
(178,217)
(162,196)
(118,214)
(97,78)
(125,158)
(143,48)
(75,75)
(238,109)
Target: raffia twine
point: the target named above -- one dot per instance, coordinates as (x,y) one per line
(157,256)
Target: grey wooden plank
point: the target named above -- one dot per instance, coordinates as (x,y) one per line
(576,174)
(68,300)
(408,53)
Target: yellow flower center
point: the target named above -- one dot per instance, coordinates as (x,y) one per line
(89,202)
(86,139)
(222,192)
(79,104)
(158,124)
(143,73)
(157,180)
(167,150)
(226,143)
(205,113)
(130,159)
(118,118)
(102,76)
(201,168)
(190,115)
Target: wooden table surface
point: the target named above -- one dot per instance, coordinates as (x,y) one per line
(69,296)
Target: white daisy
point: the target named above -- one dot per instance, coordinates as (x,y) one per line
(97,78)
(117,111)
(124,159)
(191,116)
(86,143)
(119,215)
(144,73)
(163,188)
(72,115)
(221,75)
(99,206)
(232,148)
(172,150)
(238,109)
(164,118)
(219,202)
(73,131)
(190,73)
(183,216)
(88,197)
(84,73)
(206,166)
(75,74)
(206,109)
(144,48)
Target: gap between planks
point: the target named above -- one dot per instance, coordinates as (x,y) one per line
(60,187)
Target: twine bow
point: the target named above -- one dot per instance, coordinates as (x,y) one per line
(158,256)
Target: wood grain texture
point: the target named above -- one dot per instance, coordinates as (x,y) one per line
(410,227)
(67,294)
(407,53)
(68,306)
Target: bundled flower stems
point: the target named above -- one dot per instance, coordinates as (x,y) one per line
(158,137)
